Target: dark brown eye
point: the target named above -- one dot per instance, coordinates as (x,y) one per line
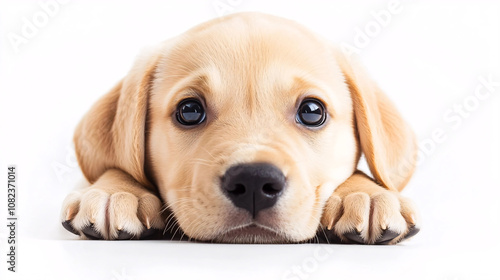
(190,112)
(311,113)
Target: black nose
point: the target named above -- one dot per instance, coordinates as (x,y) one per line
(253,186)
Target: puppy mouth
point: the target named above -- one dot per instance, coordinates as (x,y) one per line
(251,233)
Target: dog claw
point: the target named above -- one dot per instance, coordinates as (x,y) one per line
(91,233)
(354,237)
(67,225)
(124,235)
(326,237)
(149,233)
(412,232)
(386,237)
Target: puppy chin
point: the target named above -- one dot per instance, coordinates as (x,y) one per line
(252,234)
(262,230)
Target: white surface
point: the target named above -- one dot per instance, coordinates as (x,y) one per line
(427,58)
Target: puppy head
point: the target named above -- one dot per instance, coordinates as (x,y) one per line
(250,128)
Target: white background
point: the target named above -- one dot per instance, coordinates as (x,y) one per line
(428,58)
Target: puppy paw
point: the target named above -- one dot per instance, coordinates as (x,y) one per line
(381,218)
(97,214)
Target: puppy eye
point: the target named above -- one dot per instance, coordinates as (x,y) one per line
(190,112)
(311,113)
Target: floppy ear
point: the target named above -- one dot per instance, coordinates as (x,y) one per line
(112,133)
(387,141)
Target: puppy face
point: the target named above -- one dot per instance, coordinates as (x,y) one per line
(245,125)
(250,129)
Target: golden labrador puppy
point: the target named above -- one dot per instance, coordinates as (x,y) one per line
(247,129)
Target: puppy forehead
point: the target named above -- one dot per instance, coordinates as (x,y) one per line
(244,59)
(254,36)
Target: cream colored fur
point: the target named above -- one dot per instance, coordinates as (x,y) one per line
(251,70)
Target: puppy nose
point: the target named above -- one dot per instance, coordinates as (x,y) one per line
(253,186)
